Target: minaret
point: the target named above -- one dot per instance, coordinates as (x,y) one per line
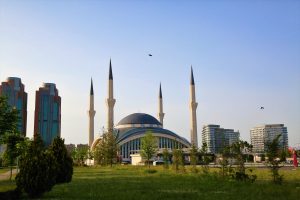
(110,101)
(193,107)
(91,114)
(161,113)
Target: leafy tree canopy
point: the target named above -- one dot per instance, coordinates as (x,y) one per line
(8,117)
(148,147)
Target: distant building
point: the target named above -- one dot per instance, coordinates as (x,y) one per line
(231,136)
(82,146)
(70,147)
(14,90)
(47,118)
(260,135)
(217,138)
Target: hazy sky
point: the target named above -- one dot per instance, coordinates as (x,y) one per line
(245,55)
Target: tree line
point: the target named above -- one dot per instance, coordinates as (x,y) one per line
(106,153)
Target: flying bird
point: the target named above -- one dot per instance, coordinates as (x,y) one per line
(262,108)
(149,54)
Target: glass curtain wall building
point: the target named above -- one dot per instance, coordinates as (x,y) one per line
(217,138)
(47,119)
(14,90)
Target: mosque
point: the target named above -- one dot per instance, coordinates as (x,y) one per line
(133,127)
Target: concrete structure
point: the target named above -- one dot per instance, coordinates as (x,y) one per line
(14,90)
(110,101)
(260,135)
(217,138)
(193,107)
(161,113)
(133,127)
(137,159)
(91,114)
(47,117)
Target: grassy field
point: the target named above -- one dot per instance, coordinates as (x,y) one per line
(130,182)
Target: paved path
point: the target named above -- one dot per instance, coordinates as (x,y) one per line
(5,176)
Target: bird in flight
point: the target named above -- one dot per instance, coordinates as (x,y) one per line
(262,108)
(149,54)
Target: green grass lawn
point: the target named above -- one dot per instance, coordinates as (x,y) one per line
(130,182)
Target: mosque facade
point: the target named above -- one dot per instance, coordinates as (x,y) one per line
(132,128)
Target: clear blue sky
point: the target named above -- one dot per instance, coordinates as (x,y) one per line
(245,54)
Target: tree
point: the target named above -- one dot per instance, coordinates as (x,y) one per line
(166,158)
(111,148)
(106,152)
(8,117)
(99,154)
(81,154)
(64,162)
(37,169)
(273,154)
(11,153)
(177,159)
(148,147)
(237,150)
(205,158)
(225,166)
(8,130)
(194,157)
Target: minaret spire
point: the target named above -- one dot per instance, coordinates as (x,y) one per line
(192,76)
(110,71)
(110,100)
(161,114)
(91,113)
(92,89)
(193,107)
(160,93)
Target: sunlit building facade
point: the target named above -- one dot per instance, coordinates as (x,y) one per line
(132,128)
(47,118)
(217,138)
(263,134)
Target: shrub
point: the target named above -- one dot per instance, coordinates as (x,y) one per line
(37,170)
(240,176)
(64,162)
(194,158)
(273,153)
(166,158)
(178,160)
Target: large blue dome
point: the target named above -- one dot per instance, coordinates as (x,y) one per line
(139,118)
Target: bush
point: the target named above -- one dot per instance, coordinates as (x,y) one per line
(150,171)
(178,162)
(240,176)
(10,195)
(37,170)
(64,162)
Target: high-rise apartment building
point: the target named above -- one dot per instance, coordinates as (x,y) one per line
(260,135)
(14,90)
(47,118)
(217,138)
